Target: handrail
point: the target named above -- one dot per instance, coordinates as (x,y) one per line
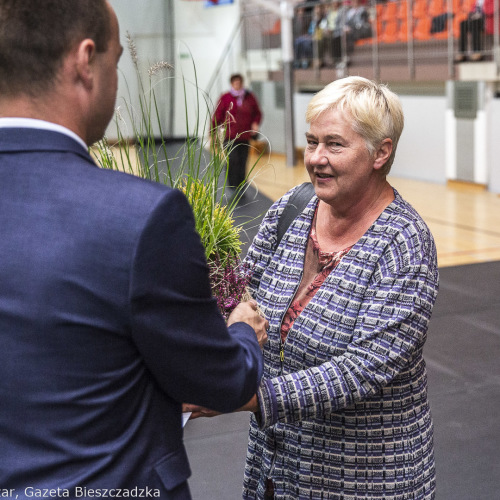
(409,51)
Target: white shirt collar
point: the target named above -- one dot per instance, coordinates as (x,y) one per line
(41,125)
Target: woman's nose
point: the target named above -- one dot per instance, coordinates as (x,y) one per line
(319,155)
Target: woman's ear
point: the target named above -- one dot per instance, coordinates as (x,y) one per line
(383,153)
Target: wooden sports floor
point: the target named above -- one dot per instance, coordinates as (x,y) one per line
(464,218)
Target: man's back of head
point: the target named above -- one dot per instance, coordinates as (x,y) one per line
(58,63)
(36,35)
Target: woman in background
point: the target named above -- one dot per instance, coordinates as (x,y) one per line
(238,113)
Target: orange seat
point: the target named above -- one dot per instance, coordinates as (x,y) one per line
(468,5)
(403,30)
(389,22)
(422,29)
(461,9)
(390,31)
(420,9)
(380,28)
(402,12)
(403,21)
(437,7)
(364,41)
(390,10)
(276,29)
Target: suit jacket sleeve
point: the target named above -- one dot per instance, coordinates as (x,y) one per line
(176,324)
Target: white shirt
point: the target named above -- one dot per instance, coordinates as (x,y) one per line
(41,125)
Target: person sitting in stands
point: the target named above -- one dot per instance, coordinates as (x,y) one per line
(304,44)
(353,25)
(489,17)
(330,30)
(473,25)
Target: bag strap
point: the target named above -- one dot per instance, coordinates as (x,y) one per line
(295,205)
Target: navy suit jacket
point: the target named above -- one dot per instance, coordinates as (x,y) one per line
(107,325)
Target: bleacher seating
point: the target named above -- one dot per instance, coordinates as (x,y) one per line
(391,19)
(388,54)
(390,22)
(402,16)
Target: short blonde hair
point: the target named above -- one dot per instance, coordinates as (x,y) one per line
(376,111)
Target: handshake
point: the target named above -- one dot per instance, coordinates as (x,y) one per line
(246,312)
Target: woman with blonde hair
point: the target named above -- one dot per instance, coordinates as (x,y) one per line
(348,289)
(342,409)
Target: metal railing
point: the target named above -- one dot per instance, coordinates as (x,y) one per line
(413,39)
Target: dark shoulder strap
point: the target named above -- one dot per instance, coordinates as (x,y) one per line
(297,202)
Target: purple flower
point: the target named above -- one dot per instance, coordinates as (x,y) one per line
(229,281)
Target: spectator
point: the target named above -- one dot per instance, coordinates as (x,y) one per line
(472,33)
(489,14)
(353,25)
(303,45)
(238,113)
(330,28)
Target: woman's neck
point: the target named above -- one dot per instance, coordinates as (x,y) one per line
(338,230)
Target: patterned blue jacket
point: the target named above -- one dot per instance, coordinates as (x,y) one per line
(344,414)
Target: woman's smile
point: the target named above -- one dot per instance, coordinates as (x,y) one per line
(323,175)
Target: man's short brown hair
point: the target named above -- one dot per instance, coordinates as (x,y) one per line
(35,36)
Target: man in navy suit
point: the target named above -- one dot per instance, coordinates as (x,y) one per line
(107,323)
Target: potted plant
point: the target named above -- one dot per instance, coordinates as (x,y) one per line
(197,167)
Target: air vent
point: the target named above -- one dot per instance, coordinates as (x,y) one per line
(279,95)
(466,101)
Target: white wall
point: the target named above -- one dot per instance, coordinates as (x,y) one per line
(421,149)
(493,151)
(273,123)
(421,152)
(201,35)
(145,23)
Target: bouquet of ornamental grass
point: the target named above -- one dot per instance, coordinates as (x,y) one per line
(200,175)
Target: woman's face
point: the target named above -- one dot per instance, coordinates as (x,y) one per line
(237,84)
(338,161)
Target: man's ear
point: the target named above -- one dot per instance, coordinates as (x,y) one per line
(382,154)
(85,57)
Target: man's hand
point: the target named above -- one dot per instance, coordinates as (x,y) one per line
(252,405)
(199,411)
(247,312)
